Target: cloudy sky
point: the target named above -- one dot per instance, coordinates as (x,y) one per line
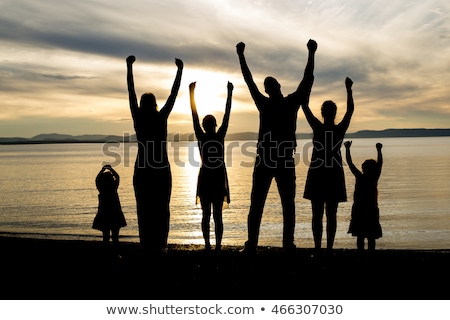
(62,63)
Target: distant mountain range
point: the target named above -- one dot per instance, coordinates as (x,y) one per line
(98,138)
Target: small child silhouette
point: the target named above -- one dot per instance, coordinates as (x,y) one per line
(109,218)
(365,221)
(212,185)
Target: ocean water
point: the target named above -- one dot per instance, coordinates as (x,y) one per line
(48,191)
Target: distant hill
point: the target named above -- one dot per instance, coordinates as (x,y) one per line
(62,138)
(66,137)
(400,133)
(98,138)
(13,140)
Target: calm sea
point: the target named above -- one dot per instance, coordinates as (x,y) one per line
(48,191)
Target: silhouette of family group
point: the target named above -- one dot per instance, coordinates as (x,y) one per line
(324,186)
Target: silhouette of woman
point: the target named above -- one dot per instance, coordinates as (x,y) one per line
(365,222)
(109,218)
(325,184)
(212,186)
(152,178)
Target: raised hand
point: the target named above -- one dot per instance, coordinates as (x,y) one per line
(192,86)
(312,45)
(131,59)
(179,63)
(348,83)
(230,86)
(240,47)
(379,146)
(347,144)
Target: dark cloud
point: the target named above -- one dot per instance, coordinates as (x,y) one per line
(63,77)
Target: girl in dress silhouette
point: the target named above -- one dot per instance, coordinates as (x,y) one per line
(212,186)
(325,184)
(152,178)
(109,218)
(365,222)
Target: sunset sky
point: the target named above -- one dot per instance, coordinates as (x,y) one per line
(62,63)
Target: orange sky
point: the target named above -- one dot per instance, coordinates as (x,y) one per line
(62,65)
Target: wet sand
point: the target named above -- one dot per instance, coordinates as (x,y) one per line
(53,269)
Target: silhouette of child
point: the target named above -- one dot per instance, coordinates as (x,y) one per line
(212,186)
(109,218)
(325,181)
(365,221)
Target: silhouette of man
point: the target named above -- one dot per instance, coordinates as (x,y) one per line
(276,146)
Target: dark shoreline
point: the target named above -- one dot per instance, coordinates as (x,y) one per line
(79,270)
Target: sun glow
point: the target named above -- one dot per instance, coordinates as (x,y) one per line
(210,91)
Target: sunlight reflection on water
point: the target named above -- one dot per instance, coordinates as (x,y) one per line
(49,191)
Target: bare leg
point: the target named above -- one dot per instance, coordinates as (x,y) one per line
(317,224)
(115,236)
(218,223)
(360,243)
(206,210)
(371,244)
(105,236)
(331,212)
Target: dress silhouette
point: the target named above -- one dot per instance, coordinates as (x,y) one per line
(152,178)
(212,186)
(109,218)
(325,183)
(365,222)
(276,146)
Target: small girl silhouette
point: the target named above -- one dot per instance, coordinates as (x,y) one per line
(325,181)
(109,218)
(365,221)
(212,187)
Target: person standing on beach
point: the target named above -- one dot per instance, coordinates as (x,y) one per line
(365,222)
(276,147)
(109,218)
(212,186)
(325,184)
(152,178)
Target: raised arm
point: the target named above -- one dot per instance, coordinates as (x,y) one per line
(350,104)
(226,117)
(348,157)
(130,82)
(175,87)
(255,93)
(312,120)
(197,128)
(98,177)
(304,88)
(114,173)
(380,156)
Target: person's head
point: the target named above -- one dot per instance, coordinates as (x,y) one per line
(329,111)
(272,87)
(148,102)
(106,181)
(209,123)
(369,167)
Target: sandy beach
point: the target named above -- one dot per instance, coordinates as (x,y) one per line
(74,270)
